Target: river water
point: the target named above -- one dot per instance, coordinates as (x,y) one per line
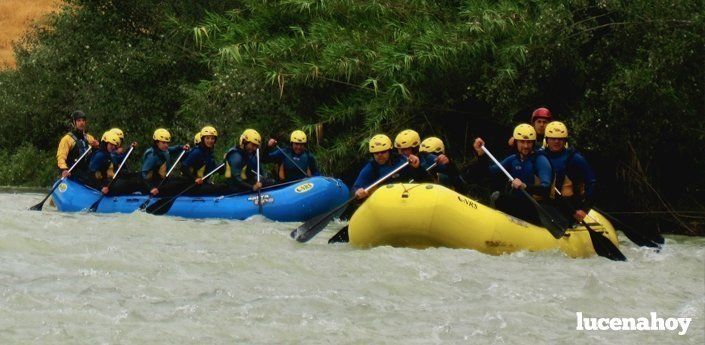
(125,279)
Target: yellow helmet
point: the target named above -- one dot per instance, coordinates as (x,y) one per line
(432,145)
(407,138)
(524,132)
(209,130)
(119,132)
(556,129)
(197,138)
(162,134)
(298,136)
(250,135)
(111,138)
(380,143)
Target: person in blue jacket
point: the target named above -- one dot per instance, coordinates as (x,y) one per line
(119,155)
(531,171)
(200,162)
(157,161)
(573,176)
(103,169)
(432,150)
(241,164)
(383,162)
(295,162)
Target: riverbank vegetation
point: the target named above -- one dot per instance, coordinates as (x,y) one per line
(627,78)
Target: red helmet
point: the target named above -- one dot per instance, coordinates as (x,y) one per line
(542,113)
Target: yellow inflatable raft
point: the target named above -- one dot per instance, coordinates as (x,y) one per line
(430,215)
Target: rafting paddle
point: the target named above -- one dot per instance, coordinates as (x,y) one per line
(146,202)
(551,219)
(291,160)
(314,225)
(259,192)
(602,245)
(163,205)
(342,234)
(38,207)
(94,207)
(636,237)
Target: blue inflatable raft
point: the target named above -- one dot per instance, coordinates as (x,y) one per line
(296,201)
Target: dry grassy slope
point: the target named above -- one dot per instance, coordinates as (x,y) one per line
(15,18)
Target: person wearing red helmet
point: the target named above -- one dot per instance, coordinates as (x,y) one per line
(539,119)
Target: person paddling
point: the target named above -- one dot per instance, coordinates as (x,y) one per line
(200,161)
(432,150)
(157,161)
(241,163)
(295,162)
(531,171)
(383,162)
(103,169)
(73,145)
(574,177)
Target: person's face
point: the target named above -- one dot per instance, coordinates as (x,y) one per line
(111,147)
(407,151)
(298,148)
(555,144)
(381,157)
(525,147)
(80,124)
(251,147)
(162,145)
(208,141)
(540,125)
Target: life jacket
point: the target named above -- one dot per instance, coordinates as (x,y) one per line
(165,157)
(281,169)
(244,174)
(104,171)
(200,171)
(79,147)
(564,183)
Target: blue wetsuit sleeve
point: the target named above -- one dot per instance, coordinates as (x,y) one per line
(276,156)
(175,150)
(364,178)
(506,163)
(94,165)
(544,171)
(149,163)
(589,179)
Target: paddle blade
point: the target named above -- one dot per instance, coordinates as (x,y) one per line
(161,206)
(94,207)
(603,246)
(642,241)
(313,226)
(143,207)
(341,236)
(38,207)
(640,238)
